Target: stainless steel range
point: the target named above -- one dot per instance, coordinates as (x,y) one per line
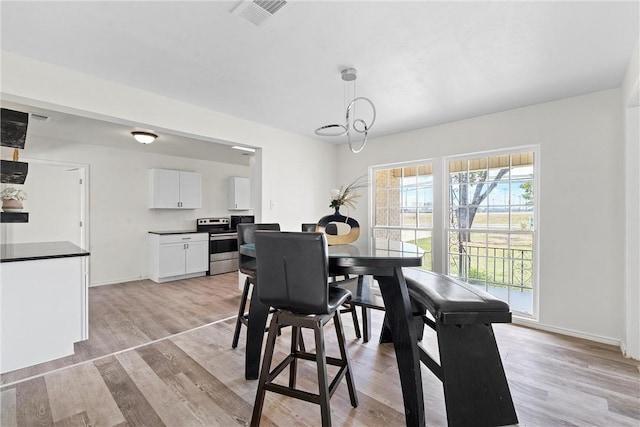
(223,245)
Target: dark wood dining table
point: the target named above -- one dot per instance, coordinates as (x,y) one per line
(383,259)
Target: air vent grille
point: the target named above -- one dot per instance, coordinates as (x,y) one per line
(259,11)
(270,6)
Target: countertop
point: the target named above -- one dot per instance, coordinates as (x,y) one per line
(11,252)
(165,233)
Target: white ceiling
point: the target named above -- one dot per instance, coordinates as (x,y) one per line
(422,62)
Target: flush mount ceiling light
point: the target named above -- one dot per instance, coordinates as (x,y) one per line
(352,123)
(144,137)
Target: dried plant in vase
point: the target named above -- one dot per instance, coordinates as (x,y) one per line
(338,222)
(347,195)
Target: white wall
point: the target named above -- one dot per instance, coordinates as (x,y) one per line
(581,198)
(630,102)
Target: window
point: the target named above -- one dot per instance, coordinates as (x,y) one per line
(491,225)
(483,230)
(404,206)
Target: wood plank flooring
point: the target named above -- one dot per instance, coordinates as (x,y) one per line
(135,371)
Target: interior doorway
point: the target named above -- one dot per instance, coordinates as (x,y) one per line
(56,203)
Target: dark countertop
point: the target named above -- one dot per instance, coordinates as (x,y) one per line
(10,252)
(165,233)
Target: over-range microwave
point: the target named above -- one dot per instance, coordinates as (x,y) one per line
(241,219)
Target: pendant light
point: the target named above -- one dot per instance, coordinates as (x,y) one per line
(352,124)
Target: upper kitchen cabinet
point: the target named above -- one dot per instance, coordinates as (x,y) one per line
(172,189)
(239,194)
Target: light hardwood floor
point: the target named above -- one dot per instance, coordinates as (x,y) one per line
(161,355)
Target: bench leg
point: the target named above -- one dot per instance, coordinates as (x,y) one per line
(475,386)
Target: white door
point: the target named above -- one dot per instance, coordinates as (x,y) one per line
(190,190)
(197,257)
(171,260)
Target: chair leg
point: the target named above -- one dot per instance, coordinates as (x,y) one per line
(301,345)
(345,357)
(293,366)
(366,324)
(243,306)
(264,372)
(356,323)
(323,384)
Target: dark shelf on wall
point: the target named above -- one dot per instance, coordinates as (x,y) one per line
(13,172)
(14,128)
(14,217)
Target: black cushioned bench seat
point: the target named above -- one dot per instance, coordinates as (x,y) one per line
(452,301)
(476,391)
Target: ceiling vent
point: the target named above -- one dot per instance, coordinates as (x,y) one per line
(258,12)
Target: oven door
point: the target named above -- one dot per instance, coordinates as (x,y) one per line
(223,246)
(223,253)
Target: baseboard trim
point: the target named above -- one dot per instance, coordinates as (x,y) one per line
(114,282)
(564,331)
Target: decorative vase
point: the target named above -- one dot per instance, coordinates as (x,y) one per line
(339,239)
(11,205)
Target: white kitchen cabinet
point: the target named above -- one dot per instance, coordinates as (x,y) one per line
(172,189)
(178,256)
(238,194)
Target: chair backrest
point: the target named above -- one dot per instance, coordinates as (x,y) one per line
(293,271)
(246,234)
(309,228)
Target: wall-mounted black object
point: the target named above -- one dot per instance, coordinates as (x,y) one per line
(13,172)
(14,128)
(14,217)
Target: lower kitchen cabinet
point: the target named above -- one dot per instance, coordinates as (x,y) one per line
(178,256)
(44,306)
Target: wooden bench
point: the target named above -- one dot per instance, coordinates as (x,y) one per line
(475,386)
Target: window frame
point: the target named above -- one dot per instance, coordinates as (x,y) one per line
(372,202)
(440,220)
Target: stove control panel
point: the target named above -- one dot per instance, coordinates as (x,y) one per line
(213,221)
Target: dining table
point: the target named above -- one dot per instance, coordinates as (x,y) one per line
(383,259)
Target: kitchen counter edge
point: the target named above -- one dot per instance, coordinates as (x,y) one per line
(167,233)
(14,252)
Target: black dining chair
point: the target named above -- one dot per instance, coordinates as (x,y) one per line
(247,265)
(294,280)
(347,306)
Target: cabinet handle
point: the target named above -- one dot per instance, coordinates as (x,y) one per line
(186,238)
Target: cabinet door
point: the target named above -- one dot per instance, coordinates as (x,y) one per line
(239,197)
(197,257)
(190,190)
(166,188)
(171,259)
